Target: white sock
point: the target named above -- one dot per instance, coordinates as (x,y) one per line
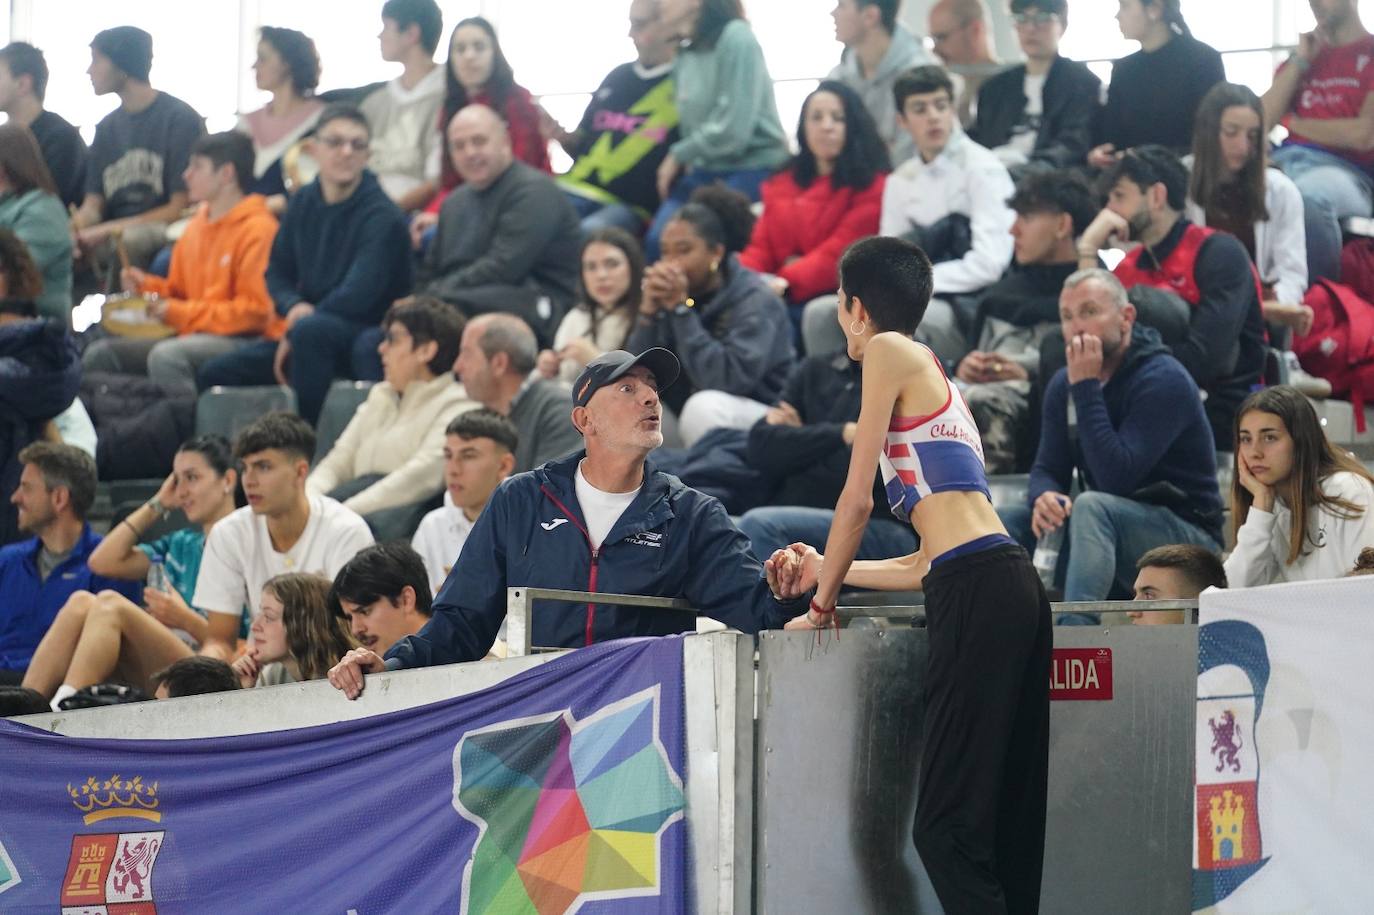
(63,692)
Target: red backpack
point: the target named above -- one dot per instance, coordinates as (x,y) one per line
(1340,346)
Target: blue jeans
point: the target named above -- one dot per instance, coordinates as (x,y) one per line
(1332,189)
(323,347)
(774,527)
(596,215)
(746,181)
(1107,534)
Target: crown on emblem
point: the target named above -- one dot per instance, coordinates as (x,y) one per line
(115,798)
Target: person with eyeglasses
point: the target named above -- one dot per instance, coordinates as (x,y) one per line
(341,257)
(961,38)
(1039,113)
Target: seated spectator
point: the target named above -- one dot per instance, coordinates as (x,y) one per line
(134,184)
(194,675)
(23,84)
(281,529)
(288,66)
(340,258)
(20,700)
(495,359)
(479,452)
(41,373)
(727,113)
(727,328)
(1042,112)
(604,308)
(386,464)
(1324,95)
(961,36)
(1232,188)
(1179,571)
(39,575)
(382,595)
(405,148)
(1302,509)
(803,447)
(507,238)
(96,636)
(877,49)
(294,637)
(1154,93)
(828,197)
(627,129)
(1142,449)
(951,199)
(215,295)
(1223,348)
(1016,314)
(31,209)
(617,506)
(479,74)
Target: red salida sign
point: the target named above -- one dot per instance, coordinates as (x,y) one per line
(1081,673)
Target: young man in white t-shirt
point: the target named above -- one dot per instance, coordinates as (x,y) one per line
(280,530)
(479,452)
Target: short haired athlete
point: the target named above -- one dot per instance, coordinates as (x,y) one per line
(980,816)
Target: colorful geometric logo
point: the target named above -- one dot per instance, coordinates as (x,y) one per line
(9,874)
(567,811)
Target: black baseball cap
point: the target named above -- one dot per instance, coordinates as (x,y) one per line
(607,367)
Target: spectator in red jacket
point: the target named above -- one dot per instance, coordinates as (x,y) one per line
(828,196)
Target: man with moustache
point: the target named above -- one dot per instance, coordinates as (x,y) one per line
(600,520)
(1124,416)
(1223,349)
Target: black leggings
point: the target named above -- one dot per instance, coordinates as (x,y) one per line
(980,812)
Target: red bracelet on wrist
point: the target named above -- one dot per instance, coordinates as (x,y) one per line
(817,608)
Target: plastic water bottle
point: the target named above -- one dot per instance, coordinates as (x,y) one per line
(1046,557)
(157,576)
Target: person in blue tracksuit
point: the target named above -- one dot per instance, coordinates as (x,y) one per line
(602,520)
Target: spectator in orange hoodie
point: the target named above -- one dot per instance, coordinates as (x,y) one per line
(215,295)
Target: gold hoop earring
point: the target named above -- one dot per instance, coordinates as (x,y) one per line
(863,326)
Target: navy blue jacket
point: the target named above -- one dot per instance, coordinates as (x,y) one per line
(30,605)
(1143,435)
(350,259)
(671,542)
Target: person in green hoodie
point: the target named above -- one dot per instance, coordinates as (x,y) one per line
(730,131)
(30,207)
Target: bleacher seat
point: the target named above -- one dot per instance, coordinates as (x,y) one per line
(340,404)
(1338,419)
(227,410)
(173,521)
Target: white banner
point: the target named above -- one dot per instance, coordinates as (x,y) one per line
(1284,806)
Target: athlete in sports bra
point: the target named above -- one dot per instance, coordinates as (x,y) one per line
(980,818)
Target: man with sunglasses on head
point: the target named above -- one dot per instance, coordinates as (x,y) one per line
(341,257)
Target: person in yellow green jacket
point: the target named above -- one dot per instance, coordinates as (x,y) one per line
(215,295)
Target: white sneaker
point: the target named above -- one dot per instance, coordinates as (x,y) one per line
(1310,385)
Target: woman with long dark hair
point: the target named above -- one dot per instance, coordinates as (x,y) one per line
(1234,188)
(96,635)
(829,196)
(288,66)
(1155,92)
(728,116)
(1300,506)
(980,816)
(30,207)
(608,294)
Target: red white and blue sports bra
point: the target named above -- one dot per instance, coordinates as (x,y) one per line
(941,452)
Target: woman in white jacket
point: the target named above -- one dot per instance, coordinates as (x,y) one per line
(388,465)
(1233,188)
(1300,507)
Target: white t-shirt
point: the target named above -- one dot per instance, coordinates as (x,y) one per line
(1023,134)
(601,509)
(439,539)
(239,557)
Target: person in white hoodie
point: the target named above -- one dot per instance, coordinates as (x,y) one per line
(1300,507)
(386,465)
(876,51)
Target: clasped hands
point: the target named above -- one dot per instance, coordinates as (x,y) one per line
(793,572)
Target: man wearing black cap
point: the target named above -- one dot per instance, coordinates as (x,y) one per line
(134,184)
(600,520)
